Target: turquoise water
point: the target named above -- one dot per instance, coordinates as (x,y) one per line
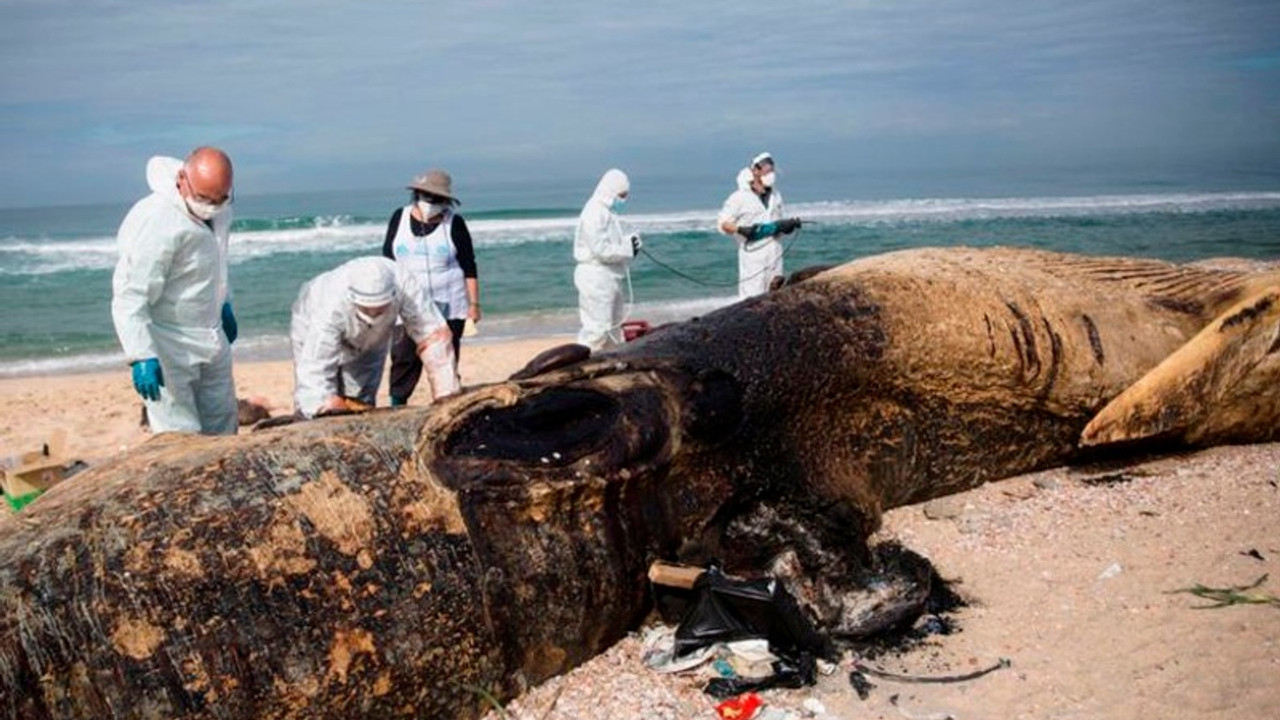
(56,263)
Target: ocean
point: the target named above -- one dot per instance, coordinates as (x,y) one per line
(56,262)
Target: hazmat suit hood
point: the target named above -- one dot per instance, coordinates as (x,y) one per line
(331,340)
(612,184)
(744,179)
(372,281)
(162,178)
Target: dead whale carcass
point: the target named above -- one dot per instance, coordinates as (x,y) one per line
(784,425)
(392,564)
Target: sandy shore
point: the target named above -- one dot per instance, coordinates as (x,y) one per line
(101,413)
(1069,574)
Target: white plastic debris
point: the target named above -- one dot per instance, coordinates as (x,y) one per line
(659,652)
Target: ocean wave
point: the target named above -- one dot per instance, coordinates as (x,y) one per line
(257,238)
(298,222)
(23,256)
(89,362)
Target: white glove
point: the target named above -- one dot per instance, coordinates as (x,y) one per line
(436,353)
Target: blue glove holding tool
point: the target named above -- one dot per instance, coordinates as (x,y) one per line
(769,229)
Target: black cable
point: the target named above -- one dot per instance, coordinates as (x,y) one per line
(859,667)
(786,248)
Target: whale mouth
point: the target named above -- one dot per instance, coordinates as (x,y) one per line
(556,427)
(622,423)
(616,427)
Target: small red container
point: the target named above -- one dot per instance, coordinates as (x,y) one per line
(634,329)
(743,707)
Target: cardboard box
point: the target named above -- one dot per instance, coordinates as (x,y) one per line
(24,477)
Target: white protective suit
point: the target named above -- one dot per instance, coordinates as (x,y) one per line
(340,351)
(603,253)
(762,261)
(167,294)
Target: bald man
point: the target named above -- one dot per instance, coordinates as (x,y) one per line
(170,301)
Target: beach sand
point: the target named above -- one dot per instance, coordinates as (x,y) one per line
(101,413)
(1070,574)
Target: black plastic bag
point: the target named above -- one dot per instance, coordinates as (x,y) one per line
(728,609)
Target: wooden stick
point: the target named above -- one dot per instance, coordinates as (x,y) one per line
(673,575)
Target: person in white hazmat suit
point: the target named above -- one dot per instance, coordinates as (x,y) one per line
(170,302)
(603,252)
(753,215)
(341,330)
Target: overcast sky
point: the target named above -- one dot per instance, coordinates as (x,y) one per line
(324,95)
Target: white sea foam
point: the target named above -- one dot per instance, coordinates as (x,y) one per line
(339,238)
(22,256)
(341,234)
(62,365)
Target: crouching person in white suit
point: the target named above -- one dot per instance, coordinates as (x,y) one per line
(341,328)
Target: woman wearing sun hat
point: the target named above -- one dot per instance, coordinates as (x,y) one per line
(429,239)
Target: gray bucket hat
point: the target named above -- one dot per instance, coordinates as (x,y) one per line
(436,182)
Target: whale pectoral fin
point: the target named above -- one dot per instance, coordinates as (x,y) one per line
(1219,387)
(552,359)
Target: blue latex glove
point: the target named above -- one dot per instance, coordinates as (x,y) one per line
(790,225)
(148,379)
(764,230)
(229,322)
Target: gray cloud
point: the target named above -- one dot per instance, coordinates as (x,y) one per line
(329,95)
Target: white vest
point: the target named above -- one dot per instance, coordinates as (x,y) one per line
(434,262)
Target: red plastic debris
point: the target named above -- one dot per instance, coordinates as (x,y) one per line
(742,707)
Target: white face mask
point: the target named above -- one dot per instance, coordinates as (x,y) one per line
(203,210)
(768,179)
(430,209)
(363,328)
